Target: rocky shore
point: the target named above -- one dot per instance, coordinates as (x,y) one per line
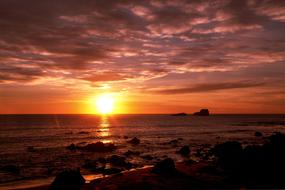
(226,165)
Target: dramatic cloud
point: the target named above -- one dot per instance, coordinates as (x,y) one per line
(141,43)
(209,87)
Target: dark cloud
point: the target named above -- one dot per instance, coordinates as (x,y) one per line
(19,74)
(202,88)
(121,40)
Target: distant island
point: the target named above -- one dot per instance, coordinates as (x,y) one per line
(202,112)
(180,114)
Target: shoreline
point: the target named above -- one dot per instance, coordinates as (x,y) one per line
(44,183)
(137,175)
(234,166)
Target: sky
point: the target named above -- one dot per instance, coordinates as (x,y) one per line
(153,56)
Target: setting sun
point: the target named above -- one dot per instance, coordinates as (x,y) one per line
(105,103)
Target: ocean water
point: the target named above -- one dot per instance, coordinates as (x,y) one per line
(37,143)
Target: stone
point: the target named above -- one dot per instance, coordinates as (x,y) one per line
(166,166)
(68,180)
(134,141)
(184,151)
(202,112)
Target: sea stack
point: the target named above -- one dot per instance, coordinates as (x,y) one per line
(202,112)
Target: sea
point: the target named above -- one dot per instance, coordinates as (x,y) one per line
(36,144)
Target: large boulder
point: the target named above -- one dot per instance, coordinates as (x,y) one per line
(116,160)
(258,134)
(184,151)
(134,141)
(11,169)
(99,147)
(166,166)
(71,147)
(228,154)
(277,139)
(132,153)
(68,180)
(202,112)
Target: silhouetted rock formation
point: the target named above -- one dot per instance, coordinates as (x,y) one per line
(148,157)
(134,141)
(165,166)
(99,147)
(11,169)
(30,149)
(255,166)
(83,133)
(258,134)
(132,153)
(110,171)
(68,180)
(71,147)
(90,164)
(179,114)
(93,147)
(184,151)
(202,112)
(229,153)
(116,160)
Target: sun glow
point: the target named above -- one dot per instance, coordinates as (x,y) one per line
(105,103)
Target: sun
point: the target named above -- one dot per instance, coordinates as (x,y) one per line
(105,103)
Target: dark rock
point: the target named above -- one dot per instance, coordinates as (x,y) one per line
(90,164)
(68,180)
(277,139)
(30,149)
(179,114)
(147,157)
(132,153)
(81,143)
(255,166)
(116,160)
(252,158)
(125,137)
(102,160)
(98,147)
(83,132)
(258,134)
(165,166)
(184,151)
(110,171)
(173,142)
(228,153)
(71,147)
(189,162)
(274,150)
(134,141)
(11,169)
(202,112)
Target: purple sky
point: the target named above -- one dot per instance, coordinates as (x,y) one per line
(156,56)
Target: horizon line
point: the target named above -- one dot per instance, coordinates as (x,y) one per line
(137,113)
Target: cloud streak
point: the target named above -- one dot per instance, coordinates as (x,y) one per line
(204,88)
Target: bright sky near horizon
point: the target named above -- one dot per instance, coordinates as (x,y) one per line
(152,56)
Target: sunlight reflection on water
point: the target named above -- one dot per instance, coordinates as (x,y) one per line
(104,129)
